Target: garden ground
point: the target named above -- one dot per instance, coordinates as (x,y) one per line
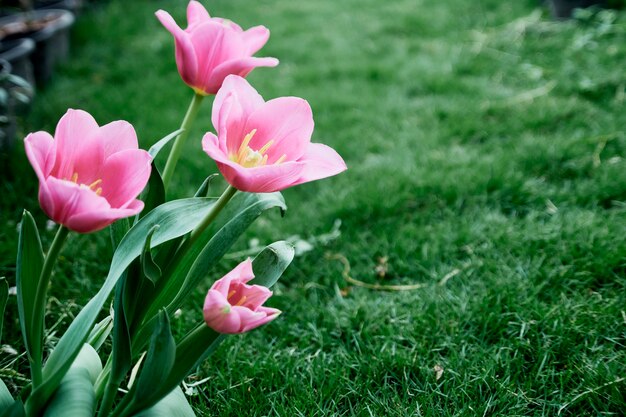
(485,145)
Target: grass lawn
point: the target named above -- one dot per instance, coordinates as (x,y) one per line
(486,151)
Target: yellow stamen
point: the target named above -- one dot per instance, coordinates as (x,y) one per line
(99,191)
(230,294)
(243,300)
(95,184)
(281,159)
(75,178)
(264,160)
(266,147)
(243,149)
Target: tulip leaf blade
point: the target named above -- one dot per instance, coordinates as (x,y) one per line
(30,260)
(4,297)
(157,364)
(76,396)
(100,333)
(149,267)
(247,208)
(14,410)
(156,148)
(6,400)
(154,195)
(269,265)
(173,405)
(175,218)
(204,188)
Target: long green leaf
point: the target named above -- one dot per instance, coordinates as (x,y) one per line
(174,405)
(15,410)
(244,209)
(75,396)
(175,219)
(154,195)
(149,267)
(156,148)
(6,400)
(100,332)
(158,363)
(30,261)
(4,297)
(269,265)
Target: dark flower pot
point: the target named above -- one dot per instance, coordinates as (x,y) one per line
(18,52)
(73,6)
(562,9)
(49,29)
(7,117)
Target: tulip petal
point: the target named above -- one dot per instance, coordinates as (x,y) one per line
(256,295)
(124,175)
(234,102)
(242,273)
(118,136)
(70,199)
(186,60)
(288,122)
(41,153)
(79,148)
(196,13)
(320,161)
(214,43)
(219,315)
(262,179)
(255,38)
(237,66)
(92,221)
(253,319)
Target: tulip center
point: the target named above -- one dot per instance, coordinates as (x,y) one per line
(231,297)
(93,186)
(250,158)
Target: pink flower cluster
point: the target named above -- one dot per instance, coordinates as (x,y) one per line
(90,176)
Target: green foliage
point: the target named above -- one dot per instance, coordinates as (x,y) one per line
(485,143)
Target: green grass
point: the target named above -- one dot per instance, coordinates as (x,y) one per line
(485,145)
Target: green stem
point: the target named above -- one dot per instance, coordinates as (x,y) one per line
(39,306)
(107,401)
(179,142)
(215,210)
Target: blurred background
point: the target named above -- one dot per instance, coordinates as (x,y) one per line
(472,259)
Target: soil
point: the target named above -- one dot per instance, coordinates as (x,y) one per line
(23,28)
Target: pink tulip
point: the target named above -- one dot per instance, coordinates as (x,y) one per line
(231,306)
(89,176)
(212,48)
(263,147)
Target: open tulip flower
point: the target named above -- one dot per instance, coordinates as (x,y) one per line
(232,306)
(89,176)
(212,48)
(263,147)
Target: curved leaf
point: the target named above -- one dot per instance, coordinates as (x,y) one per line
(157,364)
(76,396)
(6,400)
(242,211)
(4,297)
(174,405)
(30,261)
(175,219)
(156,148)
